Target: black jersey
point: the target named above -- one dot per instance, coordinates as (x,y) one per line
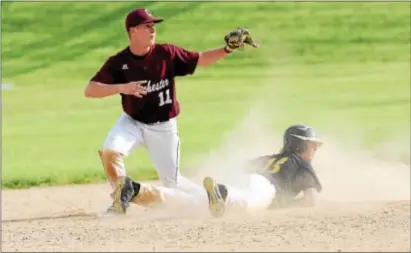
(290,175)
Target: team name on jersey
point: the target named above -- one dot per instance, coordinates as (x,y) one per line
(152,87)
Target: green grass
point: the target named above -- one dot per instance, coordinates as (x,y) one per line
(319,63)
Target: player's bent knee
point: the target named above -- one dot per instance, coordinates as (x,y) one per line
(113,164)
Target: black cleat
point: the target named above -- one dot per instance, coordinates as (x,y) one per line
(124,192)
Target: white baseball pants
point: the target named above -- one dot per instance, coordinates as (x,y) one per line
(163,145)
(257,195)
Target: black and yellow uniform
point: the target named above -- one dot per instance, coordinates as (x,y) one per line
(290,175)
(288,171)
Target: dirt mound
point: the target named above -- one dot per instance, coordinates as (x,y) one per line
(55,219)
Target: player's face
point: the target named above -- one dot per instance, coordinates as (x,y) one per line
(144,34)
(312,147)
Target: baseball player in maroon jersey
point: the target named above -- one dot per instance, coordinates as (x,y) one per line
(143,75)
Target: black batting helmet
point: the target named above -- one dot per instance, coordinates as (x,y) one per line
(295,137)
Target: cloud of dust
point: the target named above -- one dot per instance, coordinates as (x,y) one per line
(347,171)
(251,138)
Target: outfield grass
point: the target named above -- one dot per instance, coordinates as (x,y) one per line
(321,61)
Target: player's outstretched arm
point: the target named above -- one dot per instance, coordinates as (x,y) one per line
(212,56)
(234,40)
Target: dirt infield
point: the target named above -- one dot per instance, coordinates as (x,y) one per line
(55,219)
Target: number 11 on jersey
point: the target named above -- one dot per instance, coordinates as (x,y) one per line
(164,97)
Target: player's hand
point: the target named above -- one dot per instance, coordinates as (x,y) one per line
(133,88)
(238,38)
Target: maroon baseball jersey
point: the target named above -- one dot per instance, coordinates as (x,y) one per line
(159,67)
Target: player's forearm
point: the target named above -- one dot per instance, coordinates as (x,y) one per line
(212,56)
(100,90)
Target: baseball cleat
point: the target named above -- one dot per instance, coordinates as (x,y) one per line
(216,202)
(124,192)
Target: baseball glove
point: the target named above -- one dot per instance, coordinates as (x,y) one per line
(238,38)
